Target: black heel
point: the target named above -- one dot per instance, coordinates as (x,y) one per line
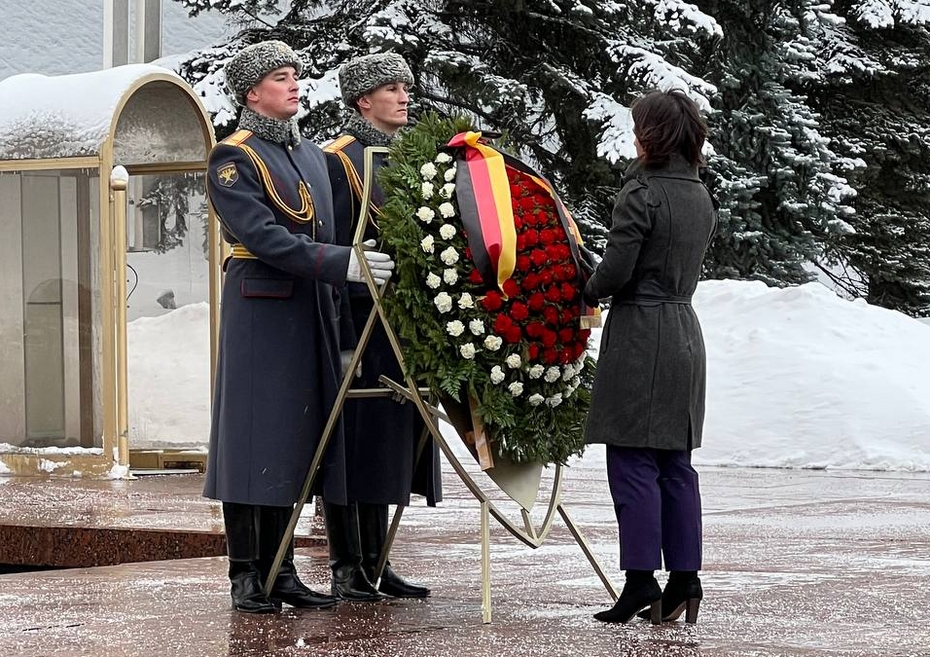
(655,612)
(691,614)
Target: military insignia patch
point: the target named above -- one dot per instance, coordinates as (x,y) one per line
(227,174)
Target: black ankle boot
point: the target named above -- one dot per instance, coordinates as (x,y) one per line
(287,587)
(241,522)
(345,557)
(373,527)
(683,593)
(641,590)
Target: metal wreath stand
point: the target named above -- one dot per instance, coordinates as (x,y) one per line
(531,535)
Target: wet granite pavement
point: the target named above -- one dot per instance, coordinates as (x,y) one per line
(796,563)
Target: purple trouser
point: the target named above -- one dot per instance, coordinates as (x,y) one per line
(658,505)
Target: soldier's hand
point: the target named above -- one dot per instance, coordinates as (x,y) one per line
(380,264)
(345,358)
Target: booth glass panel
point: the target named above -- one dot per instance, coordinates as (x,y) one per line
(168,311)
(50,373)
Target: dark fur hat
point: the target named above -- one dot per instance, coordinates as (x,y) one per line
(363,74)
(252,63)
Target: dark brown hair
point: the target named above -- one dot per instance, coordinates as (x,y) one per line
(668,122)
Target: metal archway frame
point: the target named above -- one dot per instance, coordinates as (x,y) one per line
(531,535)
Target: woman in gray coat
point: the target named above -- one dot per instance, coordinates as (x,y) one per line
(648,399)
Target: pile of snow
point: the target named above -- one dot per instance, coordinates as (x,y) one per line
(797,377)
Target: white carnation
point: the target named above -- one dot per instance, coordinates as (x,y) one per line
(425,214)
(455,328)
(515,388)
(427,190)
(466,301)
(476,326)
(513,361)
(568,372)
(493,343)
(450,256)
(536,371)
(554,400)
(447,231)
(442,158)
(467,350)
(427,244)
(553,374)
(447,190)
(450,276)
(433,281)
(450,174)
(447,210)
(536,399)
(576,382)
(428,171)
(497,374)
(443,302)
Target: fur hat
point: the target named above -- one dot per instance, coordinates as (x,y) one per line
(363,74)
(252,63)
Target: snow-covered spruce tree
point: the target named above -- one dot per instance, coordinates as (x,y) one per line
(556,77)
(875,101)
(777,181)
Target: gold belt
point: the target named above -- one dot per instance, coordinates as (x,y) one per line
(239,251)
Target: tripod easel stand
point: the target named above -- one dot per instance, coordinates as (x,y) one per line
(513,477)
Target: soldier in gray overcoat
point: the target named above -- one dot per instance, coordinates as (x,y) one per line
(278,370)
(382,435)
(647,404)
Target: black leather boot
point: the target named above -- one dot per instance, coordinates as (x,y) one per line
(373,526)
(345,556)
(241,522)
(682,594)
(287,586)
(641,590)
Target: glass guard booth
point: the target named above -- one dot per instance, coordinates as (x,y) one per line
(108,283)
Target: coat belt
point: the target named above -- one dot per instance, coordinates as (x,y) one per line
(646,299)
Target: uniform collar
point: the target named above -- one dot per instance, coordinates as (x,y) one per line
(677,166)
(365,133)
(275,130)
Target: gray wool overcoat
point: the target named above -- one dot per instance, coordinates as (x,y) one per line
(278,371)
(650,379)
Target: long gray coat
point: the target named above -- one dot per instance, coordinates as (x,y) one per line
(278,371)
(381,435)
(650,379)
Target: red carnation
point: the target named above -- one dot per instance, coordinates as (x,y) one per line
(550,356)
(547,236)
(513,334)
(530,281)
(536,301)
(535,329)
(515,191)
(542,217)
(492,301)
(532,352)
(553,294)
(531,237)
(539,257)
(511,288)
(584,334)
(527,202)
(549,338)
(524,263)
(545,277)
(519,311)
(566,335)
(553,252)
(568,271)
(569,314)
(551,313)
(517,222)
(568,291)
(502,324)
(566,355)
(521,242)
(475,278)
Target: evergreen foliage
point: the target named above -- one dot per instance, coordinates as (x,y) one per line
(817,109)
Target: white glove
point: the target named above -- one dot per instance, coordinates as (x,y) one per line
(345,357)
(379,263)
